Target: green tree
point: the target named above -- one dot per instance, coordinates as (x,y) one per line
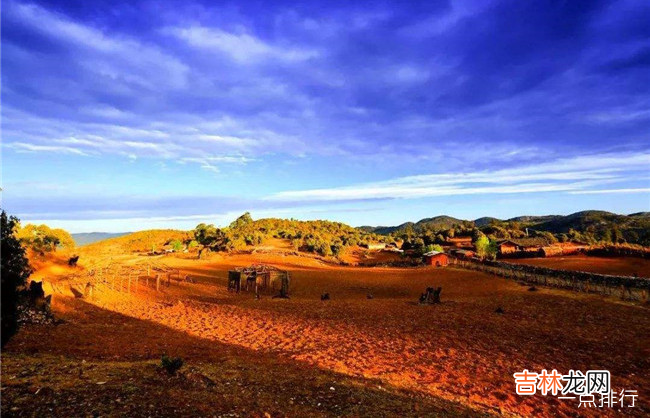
(210,237)
(15,270)
(433,247)
(242,221)
(482,244)
(42,238)
(492,250)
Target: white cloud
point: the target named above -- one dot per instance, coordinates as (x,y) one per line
(242,47)
(24,147)
(120,59)
(615,191)
(573,175)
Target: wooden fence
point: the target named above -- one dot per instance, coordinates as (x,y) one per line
(122,278)
(628,288)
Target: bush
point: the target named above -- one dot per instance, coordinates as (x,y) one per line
(177,245)
(42,238)
(433,247)
(15,270)
(171,364)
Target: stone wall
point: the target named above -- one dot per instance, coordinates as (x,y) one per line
(629,288)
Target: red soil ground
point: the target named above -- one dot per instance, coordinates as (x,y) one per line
(626,266)
(382,356)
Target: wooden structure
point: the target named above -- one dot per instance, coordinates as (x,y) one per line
(259,277)
(538,247)
(523,247)
(436,258)
(464,254)
(564,248)
(507,247)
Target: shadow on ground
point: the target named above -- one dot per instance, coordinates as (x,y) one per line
(99,362)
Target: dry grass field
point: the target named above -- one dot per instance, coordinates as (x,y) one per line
(348,356)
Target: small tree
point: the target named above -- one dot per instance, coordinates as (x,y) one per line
(492,250)
(433,247)
(482,244)
(242,221)
(15,270)
(210,237)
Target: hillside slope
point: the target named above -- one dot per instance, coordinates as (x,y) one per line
(141,241)
(85,238)
(599,225)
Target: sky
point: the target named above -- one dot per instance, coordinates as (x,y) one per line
(129,115)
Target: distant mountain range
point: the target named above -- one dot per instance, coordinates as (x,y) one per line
(635,227)
(86,238)
(557,224)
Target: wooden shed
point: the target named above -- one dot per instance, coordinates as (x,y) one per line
(464,254)
(436,258)
(507,247)
(523,246)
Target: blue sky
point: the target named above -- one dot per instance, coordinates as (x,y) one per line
(120,116)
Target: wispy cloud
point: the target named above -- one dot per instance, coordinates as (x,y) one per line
(575,175)
(242,47)
(615,191)
(25,147)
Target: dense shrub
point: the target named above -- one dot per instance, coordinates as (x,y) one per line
(15,270)
(171,364)
(321,237)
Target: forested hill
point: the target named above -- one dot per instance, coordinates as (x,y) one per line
(591,225)
(437,222)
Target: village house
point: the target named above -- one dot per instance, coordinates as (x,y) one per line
(522,246)
(435,258)
(538,246)
(564,248)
